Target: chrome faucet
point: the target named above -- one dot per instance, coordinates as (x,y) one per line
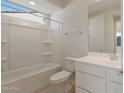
(114,56)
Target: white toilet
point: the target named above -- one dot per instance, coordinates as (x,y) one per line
(59,80)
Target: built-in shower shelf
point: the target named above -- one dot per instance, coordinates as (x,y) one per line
(46,54)
(4,42)
(3,59)
(47,42)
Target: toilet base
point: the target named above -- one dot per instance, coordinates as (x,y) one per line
(61,88)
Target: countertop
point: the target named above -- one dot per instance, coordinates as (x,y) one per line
(103,61)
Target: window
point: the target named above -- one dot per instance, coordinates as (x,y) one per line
(118,39)
(15,10)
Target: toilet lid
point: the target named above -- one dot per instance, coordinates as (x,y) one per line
(60,77)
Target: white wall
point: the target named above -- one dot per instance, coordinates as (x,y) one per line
(4,46)
(74,18)
(27,16)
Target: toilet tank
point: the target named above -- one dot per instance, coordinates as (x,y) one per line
(69,64)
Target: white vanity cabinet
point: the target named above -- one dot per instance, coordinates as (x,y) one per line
(97,79)
(115,81)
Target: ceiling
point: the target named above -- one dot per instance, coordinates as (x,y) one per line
(103,4)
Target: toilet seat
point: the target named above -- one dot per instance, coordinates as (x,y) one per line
(60,77)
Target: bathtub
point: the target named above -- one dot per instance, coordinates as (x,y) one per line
(28,79)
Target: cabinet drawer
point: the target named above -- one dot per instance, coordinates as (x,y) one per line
(90,83)
(79,90)
(91,69)
(115,75)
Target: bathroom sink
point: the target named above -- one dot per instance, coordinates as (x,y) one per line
(100,60)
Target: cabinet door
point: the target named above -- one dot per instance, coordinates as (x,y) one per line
(115,75)
(115,81)
(115,88)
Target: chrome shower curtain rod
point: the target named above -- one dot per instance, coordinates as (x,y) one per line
(30,12)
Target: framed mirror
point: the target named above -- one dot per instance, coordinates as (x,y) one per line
(105,26)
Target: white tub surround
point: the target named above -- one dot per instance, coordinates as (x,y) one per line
(98,74)
(27,43)
(29,79)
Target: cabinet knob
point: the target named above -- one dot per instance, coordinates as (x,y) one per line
(120,73)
